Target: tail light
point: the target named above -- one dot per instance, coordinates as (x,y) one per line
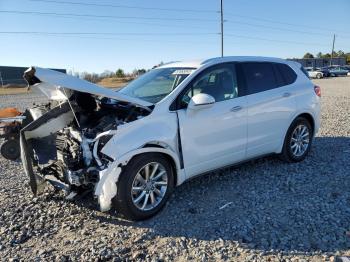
(317,91)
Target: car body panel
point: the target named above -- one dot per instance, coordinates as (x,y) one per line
(155,129)
(213,137)
(268,113)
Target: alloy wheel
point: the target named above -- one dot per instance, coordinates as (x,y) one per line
(149,186)
(300,140)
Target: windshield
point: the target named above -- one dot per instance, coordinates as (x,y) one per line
(156,84)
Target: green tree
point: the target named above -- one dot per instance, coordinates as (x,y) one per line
(120,73)
(141,71)
(347,56)
(308,55)
(340,53)
(319,55)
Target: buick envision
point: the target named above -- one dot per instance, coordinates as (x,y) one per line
(175,122)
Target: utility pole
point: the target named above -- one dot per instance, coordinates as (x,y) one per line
(2,83)
(222,29)
(332,49)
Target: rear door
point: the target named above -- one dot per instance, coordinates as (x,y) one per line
(271,105)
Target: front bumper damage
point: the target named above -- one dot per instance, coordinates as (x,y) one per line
(37,145)
(43,127)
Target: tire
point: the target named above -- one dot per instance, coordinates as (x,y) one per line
(318,76)
(290,152)
(10,149)
(126,198)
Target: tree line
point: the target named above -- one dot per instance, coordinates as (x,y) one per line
(119,73)
(340,53)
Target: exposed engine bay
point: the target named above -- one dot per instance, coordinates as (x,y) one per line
(62,145)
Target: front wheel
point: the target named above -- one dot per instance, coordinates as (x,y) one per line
(298,141)
(144,186)
(318,76)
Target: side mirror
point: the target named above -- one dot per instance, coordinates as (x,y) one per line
(201,101)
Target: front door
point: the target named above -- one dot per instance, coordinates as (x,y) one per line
(216,136)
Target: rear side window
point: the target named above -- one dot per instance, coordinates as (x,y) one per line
(288,73)
(259,76)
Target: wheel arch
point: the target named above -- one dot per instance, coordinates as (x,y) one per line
(179,175)
(308,116)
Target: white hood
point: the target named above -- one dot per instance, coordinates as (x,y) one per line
(54,85)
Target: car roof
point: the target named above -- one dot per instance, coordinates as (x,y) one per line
(216,60)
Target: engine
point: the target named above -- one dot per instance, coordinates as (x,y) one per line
(69,151)
(74,151)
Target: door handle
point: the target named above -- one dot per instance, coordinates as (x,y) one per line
(287,94)
(236,108)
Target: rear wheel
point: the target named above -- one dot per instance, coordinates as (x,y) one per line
(298,141)
(318,76)
(144,186)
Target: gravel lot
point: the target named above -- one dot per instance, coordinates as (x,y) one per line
(272,211)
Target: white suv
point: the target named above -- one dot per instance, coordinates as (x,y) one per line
(175,122)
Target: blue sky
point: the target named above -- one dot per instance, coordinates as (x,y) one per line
(144,37)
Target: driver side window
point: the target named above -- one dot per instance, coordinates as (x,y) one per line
(219,81)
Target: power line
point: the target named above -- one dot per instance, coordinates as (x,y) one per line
(126,6)
(279,28)
(95,34)
(284,23)
(184,10)
(274,40)
(101,33)
(120,39)
(83,16)
(105,16)
(138,23)
(150,24)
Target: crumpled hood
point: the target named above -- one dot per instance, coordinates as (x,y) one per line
(54,85)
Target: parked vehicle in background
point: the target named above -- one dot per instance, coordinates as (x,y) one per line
(337,71)
(313,73)
(180,120)
(324,71)
(346,67)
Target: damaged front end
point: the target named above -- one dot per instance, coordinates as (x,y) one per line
(62,144)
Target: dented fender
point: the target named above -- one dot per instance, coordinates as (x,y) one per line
(106,188)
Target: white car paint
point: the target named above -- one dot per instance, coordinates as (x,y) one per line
(215,137)
(212,136)
(209,136)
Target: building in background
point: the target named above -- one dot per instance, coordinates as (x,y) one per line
(320,62)
(12,76)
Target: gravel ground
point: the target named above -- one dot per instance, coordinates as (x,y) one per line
(264,210)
